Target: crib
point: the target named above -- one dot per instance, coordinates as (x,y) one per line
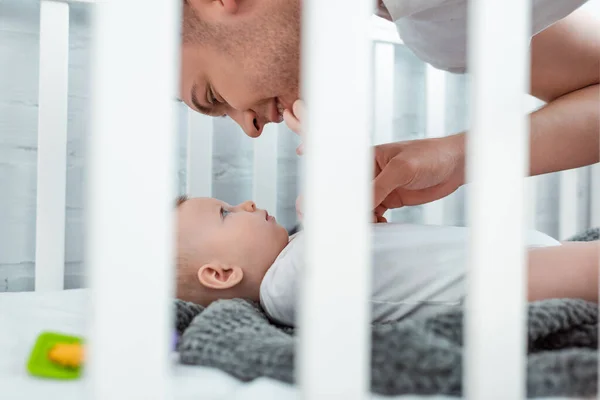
(115,246)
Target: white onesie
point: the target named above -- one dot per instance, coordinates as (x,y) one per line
(417,270)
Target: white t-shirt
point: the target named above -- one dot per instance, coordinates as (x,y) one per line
(417,270)
(436,30)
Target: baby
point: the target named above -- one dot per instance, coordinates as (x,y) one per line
(241,251)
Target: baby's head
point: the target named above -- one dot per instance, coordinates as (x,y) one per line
(224,251)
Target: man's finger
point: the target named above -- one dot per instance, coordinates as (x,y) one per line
(291,122)
(380,210)
(379,219)
(376,169)
(392,176)
(298,108)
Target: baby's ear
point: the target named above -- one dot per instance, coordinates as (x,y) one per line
(217,276)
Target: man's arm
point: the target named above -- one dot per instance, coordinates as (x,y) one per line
(567,271)
(565,72)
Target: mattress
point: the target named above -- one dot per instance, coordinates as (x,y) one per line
(23,316)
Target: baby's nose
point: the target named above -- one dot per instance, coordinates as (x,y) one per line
(248,206)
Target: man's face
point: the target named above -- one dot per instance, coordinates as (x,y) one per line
(247,65)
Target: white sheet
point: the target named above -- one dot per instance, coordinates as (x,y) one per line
(23,316)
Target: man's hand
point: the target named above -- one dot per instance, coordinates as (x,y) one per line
(417,172)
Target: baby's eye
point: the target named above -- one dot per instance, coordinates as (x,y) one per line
(224,212)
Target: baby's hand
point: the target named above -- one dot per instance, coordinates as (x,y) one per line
(293,121)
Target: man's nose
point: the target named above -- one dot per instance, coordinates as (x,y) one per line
(249,121)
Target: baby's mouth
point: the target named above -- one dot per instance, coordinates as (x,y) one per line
(268,218)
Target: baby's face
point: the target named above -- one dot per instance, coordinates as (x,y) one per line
(241,235)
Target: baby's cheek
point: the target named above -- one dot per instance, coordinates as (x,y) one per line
(274,242)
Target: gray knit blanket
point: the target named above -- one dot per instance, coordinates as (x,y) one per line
(419,357)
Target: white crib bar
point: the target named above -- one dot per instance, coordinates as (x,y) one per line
(336,65)
(568,204)
(131,198)
(264,184)
(52,146)
(200,133)
(595,196)
(497,159)
(435,83)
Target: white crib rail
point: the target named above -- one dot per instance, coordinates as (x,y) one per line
(52,146)
(200,133)
(435,84)
(338,242)
(264,184)
(494,363)
(595,196)
(383,92)
(531,192)
(131,197)
(568,204)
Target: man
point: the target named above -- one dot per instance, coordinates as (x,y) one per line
(241,58)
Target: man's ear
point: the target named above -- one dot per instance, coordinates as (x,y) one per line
(229,6)
(217,276)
